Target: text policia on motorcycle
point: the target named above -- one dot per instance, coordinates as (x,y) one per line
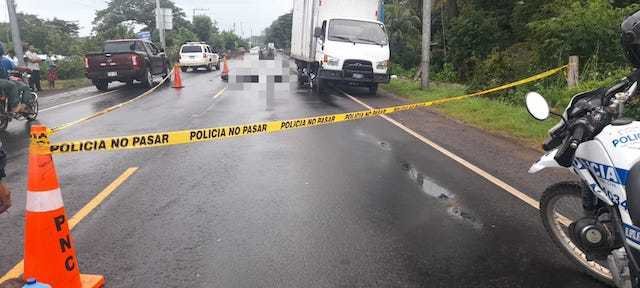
(601,232)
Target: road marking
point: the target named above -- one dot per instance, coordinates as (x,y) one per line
(513,191)
(17,270)
(112,108)
(78,101)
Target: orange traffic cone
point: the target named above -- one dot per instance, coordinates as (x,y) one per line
(225,70)
(177,77)
(49,254)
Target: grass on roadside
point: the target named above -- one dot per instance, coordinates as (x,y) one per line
(67,84)
(490,115)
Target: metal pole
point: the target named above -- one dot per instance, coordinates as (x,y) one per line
(426,43)
(160,25)
(15,32)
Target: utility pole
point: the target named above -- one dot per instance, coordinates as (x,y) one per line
(15,32)
(426,43)
(160,24)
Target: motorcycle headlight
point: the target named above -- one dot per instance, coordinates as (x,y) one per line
(382,65)
(331,61)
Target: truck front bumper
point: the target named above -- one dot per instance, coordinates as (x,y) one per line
(353,78)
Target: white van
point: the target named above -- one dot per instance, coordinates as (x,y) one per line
(198,55)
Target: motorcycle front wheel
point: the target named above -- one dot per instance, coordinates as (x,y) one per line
(561,205)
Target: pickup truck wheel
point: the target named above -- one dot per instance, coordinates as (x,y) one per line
(218,66)
(184,69)
(102,85)
(148,78)
(210,67)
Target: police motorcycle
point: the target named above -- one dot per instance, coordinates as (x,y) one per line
(22,75)
(596,220)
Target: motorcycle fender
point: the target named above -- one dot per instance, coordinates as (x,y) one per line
(547,161)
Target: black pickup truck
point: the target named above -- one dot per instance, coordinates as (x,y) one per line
(125,61)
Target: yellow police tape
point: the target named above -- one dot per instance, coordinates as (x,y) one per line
(213,134)
(112,108)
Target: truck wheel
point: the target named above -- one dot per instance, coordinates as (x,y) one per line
(209,67)
(148,78)
(319,87)
(184,69)
(218,66)
(373,89)
(102,85)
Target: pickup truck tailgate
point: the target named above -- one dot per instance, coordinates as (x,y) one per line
(108,62)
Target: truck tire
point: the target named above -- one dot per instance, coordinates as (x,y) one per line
(319,87)
(147,80)
(184,69)
(102,85)
(373,89)
(209,67)
(218,66)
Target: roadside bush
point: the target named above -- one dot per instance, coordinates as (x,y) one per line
(70,68)
(446,74)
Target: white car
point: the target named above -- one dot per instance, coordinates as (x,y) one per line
(198,55)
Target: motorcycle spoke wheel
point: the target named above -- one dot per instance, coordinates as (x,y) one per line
(559,209)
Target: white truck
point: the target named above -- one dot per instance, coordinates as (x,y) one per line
(340,41)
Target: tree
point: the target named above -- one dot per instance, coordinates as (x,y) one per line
(203,27)
(402,24)
(280,31)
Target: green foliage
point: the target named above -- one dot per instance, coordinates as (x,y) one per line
(279,32)
(121,16)
(589,29)
(496,41)
(203,27)
(71,68)
(403,29)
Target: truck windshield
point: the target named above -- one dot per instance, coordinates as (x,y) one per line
(191,49)
(357,32)
(118,47)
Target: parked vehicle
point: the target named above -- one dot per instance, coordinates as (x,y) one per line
(5,115)
(125,61)
(198,55)
(594,221)
(340,42)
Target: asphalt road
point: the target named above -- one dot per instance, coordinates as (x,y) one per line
(357,204)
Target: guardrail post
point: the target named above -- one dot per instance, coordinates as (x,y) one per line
(573,72)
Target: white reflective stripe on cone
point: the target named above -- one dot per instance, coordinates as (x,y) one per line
(44,201)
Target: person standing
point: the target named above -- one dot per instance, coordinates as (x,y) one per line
(33,63)
(12,56)
(52,75)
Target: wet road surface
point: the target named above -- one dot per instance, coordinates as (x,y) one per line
(356,204)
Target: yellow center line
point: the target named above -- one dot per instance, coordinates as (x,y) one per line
(17,270)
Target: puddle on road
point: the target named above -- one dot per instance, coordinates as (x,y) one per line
(432,189)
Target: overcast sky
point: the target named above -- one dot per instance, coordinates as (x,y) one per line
(247,14)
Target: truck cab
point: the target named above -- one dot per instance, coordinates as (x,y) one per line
(340,42)
(353,51)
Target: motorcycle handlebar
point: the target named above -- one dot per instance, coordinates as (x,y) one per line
(568,149)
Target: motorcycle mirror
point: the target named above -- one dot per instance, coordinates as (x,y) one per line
(537,106)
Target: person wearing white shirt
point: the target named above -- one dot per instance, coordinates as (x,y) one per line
(33,63)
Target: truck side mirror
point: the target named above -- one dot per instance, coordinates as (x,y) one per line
(318,33)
